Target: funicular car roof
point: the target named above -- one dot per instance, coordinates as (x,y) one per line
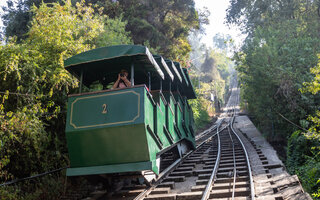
(173,69)
(188,90)
(164,67)
(96,63)
(190,93)
(100,62)
(184,78)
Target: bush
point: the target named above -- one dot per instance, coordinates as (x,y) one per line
(49,187)
(297,151)
(303,159)
(23,145)
(33,108)
(309,174)
(200,112)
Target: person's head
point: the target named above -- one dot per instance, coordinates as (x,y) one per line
(124,72)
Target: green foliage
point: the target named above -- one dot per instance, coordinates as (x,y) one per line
(17,17)
(23,144)
(310,171)
(210,74)
(314,85)
(49,187)
(164,24)
(298,151)
(309,174)
(221,41)
(34,87)
(114,33)
(304,160)
(282,45)
(272,68)
(200,107)
(215,74)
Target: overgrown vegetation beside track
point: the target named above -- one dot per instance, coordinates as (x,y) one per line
(34,83)
(211,71)
(278,87)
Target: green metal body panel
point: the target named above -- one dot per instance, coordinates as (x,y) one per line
(170,110)
(107,128)
(126,130)
(161,119)
(179,107)
(113,145)
(121,130)
(105,169)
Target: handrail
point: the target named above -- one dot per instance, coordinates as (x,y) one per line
(108,90)
(149,95)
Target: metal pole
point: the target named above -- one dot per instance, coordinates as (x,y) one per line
(81,79)
(160,84)
(132,74)
(149,76)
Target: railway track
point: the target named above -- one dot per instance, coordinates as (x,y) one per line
(218,168)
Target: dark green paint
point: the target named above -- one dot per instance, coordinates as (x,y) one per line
(123,130)
(128,167)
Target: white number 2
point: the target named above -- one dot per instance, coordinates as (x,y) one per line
(104,108)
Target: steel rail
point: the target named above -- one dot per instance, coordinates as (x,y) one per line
(247,158)
(161,176)
(172,167)
(231,111)
(206,193)
(234,158)
(234,165)
(206,132)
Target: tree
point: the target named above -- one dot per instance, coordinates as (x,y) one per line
(35,85)
(17,18)
(275,56)
(197,53)
(282,44)
(164,25)
(220,41)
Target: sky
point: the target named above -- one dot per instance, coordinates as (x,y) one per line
(217,9)
(2,3)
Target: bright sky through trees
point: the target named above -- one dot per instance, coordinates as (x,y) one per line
(217,9)
(2,3)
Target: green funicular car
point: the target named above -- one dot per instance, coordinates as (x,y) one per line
(127,130)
